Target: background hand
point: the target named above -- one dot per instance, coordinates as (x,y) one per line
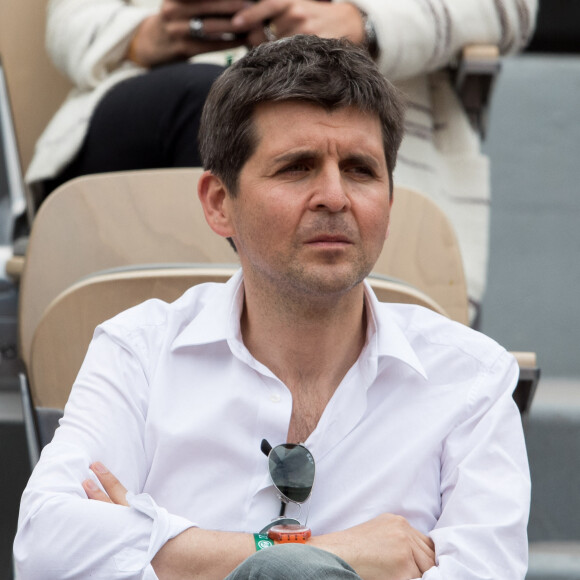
(165,36)
(289,17)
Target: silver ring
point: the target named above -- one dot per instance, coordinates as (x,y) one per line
(270,32)
(196,28)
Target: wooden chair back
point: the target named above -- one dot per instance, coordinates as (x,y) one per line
(105,221)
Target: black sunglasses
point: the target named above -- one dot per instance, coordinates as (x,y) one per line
(292,470)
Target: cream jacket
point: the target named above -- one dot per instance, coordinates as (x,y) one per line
(440,155)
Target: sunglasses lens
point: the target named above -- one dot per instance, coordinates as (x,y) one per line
(292,471)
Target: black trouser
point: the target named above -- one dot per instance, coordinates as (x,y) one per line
(145,122)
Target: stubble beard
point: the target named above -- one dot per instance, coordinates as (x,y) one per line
(316,286)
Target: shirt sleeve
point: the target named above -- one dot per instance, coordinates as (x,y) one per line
(485,486)
(87,40)
(419,36)
(62,534)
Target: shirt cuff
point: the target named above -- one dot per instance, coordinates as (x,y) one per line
(164,527)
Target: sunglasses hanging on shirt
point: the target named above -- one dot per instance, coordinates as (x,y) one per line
(292,470)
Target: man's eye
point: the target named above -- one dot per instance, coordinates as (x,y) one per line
(362,171)
(295,168)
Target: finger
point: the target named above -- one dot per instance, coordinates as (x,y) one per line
(424,562)
(112,486)
(256,37)
(425,540)
(216,28)
(217,33)
(258,13)
(93,491)
(424,552)
(178,9)
(219,6)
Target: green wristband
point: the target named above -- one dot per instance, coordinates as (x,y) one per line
(262,542)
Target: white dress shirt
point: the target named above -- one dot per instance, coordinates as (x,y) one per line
(172,402)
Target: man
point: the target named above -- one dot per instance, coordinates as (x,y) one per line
(421,468)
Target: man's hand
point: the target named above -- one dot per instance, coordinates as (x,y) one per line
(114,490)
(290,17)
(384,548)
(165,36)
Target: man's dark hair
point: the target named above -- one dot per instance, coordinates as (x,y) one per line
(330,73)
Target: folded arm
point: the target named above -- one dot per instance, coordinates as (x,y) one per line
(385,548)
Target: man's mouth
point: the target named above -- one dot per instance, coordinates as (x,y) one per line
(330,239)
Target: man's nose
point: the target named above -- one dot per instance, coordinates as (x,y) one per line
(329,192)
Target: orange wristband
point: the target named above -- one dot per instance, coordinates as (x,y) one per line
(289,534)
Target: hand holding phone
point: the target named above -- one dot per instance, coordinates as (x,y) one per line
(184,28)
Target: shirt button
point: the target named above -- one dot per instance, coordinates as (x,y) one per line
(275,398)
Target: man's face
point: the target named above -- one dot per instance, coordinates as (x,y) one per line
(312,208)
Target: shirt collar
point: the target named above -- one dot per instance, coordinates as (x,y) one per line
(219,319)
(385,336)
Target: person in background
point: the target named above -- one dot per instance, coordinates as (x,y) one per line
(391,429)
(152,119)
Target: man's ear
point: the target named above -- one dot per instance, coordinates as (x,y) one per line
(214,198)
